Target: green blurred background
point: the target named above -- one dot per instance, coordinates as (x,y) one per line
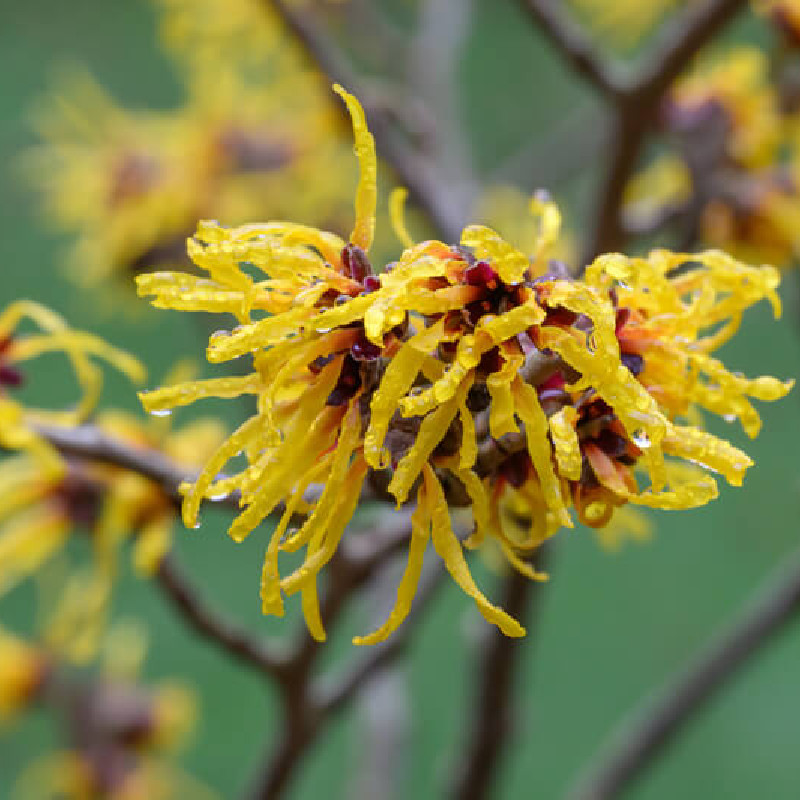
(611,627)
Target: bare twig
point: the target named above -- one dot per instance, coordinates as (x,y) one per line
(334,695)
(309,705)
(576,47)
(93,444)
(650,729)
(682,40)
(207,622)
(440,202)
(493,722)
(636,109)
(635,99)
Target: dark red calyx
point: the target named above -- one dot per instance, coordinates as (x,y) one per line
(612,444)
(348,384)
(623,315)
(371,283)
(10,377)
(80,499)
(634,362)
(365,350)
(515,468)
(560,316)
(491,361)
(355,263)
(555,381)
(448,350)
(481,274)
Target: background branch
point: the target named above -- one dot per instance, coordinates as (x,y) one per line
(210,624)
(440,202)
(650,729)
(493,722)
(574,45)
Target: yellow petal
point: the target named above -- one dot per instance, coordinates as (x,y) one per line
(449,549)
(367,190)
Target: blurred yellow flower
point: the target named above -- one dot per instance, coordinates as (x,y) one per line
(17,421)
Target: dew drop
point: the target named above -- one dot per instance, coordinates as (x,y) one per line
(729,417)
(161,412)
(217,498)
(641,439)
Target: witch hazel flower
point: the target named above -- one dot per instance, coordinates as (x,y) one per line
(459,374)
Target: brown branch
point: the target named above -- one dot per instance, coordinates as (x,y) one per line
(636,109)
(650,729)
(440,204)
(208,623)
(635,100)
(93,444)
(333,695)
(574,45)
(309,704)
(682,40)
(493,722)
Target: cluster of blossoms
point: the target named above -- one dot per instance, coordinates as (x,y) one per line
(17,421)
(255,118)
(45,497)
(464,373)
(735,162)
(627,22)
(123,733)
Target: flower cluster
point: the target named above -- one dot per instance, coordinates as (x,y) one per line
(122,732)
(18,422)
(254,119)
(626,21)
(733,124)
(466,370)
(45,498)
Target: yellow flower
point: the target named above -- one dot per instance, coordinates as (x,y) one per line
(17,422)
(739,141)
(41,507)
(135,726)
(22,670)
(625,21)
(784,13)
(229,152)
(401,372)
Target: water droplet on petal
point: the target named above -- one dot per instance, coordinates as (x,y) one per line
(161,412)
(641,439)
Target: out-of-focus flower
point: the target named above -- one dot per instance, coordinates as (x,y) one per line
(17,421)
(39,512)
(736,164)
(785,14)
(625,22)
(121,733)
(737,86)
(146,177)
(453,348)
(23,667)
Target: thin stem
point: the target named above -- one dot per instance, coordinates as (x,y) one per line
(636,110)
(210,624)
(308,705)
(440,203)
(493,722)
(333,695)
(574,45)
(641,739)
(93,444)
